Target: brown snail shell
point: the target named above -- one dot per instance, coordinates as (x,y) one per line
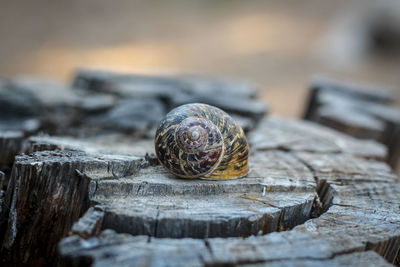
(199,140)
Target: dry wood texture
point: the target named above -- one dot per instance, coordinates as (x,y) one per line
(314,196)
(358,110)
(356,196)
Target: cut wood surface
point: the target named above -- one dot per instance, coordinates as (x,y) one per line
(313,196)
(359,110)
(152,217)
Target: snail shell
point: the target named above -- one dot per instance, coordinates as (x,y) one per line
(199,140)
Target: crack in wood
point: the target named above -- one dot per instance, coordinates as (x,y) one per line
(254,198)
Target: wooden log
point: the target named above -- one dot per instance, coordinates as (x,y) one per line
(29,105)
(234,96)
(367,258)
(358,110)
(361,217)
(350,90)
(313,196)
(111,102)
(159,201)
(200,209)
(10,145)
(301,171)
(47,192)
(161,85)
(90,223)
(292,135)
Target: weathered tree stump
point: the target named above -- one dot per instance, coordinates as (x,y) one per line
(358,110)
(314,196)
(353,198)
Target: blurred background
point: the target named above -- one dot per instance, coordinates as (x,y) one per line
(278,44)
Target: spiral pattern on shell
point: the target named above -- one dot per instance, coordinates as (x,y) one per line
(199,140)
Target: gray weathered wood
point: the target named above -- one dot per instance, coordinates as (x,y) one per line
(358,191)
(358,110)
(313,196)
(47,192)
(10,145)
(90,223)
(111,102)
(367,258)
(234,96)
(314,173)
(292,135)
(142,199)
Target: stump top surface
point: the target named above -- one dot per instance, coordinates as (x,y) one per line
(313,196)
